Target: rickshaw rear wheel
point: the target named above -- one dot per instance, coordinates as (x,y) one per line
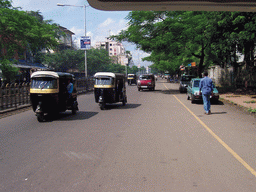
(102,106)
(73,111)
(40,118)
(124,101)
(74,108)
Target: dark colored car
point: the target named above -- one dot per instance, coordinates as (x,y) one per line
(184,82)
(146,81)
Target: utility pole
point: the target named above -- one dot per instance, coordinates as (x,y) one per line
(85,56)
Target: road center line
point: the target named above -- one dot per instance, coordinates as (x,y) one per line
(246,165)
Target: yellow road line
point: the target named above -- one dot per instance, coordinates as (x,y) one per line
(246,165)
(166,87)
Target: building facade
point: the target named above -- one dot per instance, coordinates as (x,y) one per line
(115,50)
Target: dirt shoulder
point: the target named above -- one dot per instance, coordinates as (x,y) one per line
(246,102)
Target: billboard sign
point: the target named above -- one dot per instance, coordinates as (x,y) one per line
(85,42)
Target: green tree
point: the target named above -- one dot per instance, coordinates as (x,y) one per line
(133,70)
(116,68)
(65,59)
(172,38)
(9,72)
(5,4)
(97,60)
(234,33)
(20,31)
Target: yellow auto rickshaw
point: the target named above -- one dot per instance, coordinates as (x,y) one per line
(132,79)
(49,94)
(109,88)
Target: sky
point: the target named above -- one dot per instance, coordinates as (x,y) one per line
(99,24)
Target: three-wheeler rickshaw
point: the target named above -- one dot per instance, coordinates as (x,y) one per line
(49,94)
(109,88)
(132,79)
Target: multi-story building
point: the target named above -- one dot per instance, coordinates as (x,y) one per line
(115,50)
(100,45)
(65,41)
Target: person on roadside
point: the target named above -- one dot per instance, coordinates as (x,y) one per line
(70,88)
(206,89)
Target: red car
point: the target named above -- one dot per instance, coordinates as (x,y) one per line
(146,81)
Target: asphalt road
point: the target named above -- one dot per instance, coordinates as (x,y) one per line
(158,142)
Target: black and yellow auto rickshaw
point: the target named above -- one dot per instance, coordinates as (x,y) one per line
(109,88)
(132,79)
(49,94)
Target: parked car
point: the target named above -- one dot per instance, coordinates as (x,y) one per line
(193,91)
(167,76)
(184,82)
(146,81)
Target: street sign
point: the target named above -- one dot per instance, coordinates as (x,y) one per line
(85,42)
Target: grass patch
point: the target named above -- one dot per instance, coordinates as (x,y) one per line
(252,101)
(251,110)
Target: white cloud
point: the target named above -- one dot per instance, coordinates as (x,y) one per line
(78,32)
(107,28)
(106,23)
(99,24)
(137,56)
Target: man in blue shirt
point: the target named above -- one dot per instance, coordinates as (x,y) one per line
(206,87)
(70,88)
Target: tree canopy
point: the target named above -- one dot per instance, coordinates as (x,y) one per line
(20,31)
(177,38)
(97,60)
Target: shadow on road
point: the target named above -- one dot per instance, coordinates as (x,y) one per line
(218,113)
(147,90)
(171,91)
(67,116)
(162,82)
(120,106)
(212,103)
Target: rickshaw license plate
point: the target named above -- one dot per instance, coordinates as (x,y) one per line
(144,86)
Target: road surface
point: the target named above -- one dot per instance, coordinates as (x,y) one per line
(158,142)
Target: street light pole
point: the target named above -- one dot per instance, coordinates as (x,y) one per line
(85,57)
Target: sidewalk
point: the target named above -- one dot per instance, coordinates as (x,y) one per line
(248,102)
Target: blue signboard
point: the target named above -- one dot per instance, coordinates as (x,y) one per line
(85,42)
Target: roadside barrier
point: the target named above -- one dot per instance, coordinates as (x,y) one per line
(13,96)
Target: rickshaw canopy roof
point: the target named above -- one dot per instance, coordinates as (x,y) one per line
(109,74)
(52,74)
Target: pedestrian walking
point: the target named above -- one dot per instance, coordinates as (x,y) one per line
(206,89)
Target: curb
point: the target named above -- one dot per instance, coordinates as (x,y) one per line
(15,108)
(240,107)
(19,107)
